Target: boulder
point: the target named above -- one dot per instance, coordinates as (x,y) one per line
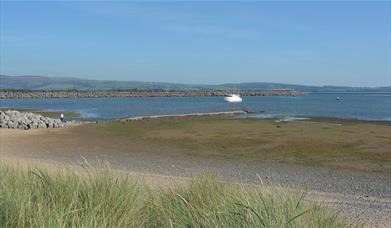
(26,120)
(12,125)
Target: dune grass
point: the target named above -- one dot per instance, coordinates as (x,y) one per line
(92,197)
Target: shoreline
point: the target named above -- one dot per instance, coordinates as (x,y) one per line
(359,194)
(71,114)
(341,172)
(239,112)
(194,114)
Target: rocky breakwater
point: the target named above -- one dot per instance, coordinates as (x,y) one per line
(17,94)
(27,120)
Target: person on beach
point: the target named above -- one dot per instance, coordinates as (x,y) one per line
(62,117)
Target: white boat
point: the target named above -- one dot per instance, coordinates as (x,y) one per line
(233,98)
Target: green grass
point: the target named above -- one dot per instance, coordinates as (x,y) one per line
(32,197)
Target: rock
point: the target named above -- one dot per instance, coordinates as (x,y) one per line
(12,125)
(26,120)
(23,127)
(138,93)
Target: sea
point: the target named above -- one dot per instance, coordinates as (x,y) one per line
(363,106)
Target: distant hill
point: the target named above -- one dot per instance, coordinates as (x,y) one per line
(304,88)
(55,83)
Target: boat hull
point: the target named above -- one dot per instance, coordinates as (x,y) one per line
(233,99)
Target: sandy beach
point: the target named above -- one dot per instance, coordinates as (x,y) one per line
(175,148)
(195,114)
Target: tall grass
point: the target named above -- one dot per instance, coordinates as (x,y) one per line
(103,198)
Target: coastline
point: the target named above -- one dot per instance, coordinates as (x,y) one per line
(158,149)
(280,119)
(194,114)
(331,119)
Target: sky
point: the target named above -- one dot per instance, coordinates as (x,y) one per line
(310,43)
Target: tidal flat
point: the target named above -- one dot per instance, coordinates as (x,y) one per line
(343,163)
(334,143)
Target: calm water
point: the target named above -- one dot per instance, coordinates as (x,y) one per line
(359,106)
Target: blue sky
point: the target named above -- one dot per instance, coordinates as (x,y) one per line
(313,43)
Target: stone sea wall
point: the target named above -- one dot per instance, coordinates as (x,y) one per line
(7,94)
(26,120)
